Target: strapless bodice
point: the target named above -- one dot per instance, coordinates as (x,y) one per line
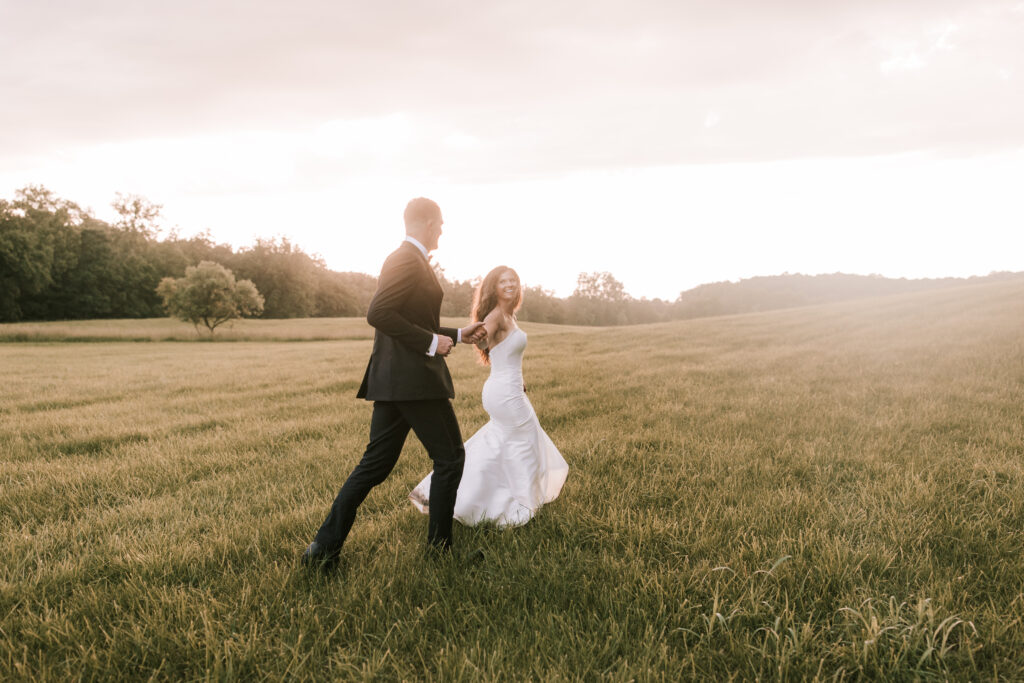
(507,358)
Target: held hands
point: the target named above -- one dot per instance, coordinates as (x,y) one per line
(474,333)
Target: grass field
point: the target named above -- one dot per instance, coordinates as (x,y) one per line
(832,493)
(167,329)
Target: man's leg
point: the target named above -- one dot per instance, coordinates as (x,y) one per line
(388,429)
(435,426)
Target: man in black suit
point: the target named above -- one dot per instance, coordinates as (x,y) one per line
(408,381)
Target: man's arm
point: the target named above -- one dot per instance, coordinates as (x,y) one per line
(471,333)
(453,332)
(398,278)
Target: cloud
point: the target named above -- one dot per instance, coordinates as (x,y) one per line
(916,53)
(492,90)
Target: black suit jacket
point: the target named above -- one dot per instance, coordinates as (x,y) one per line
(406,313)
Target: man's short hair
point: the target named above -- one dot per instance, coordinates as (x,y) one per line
(419,211)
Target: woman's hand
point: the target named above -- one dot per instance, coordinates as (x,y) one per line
(474,333)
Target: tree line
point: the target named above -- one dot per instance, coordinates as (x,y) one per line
(58,262)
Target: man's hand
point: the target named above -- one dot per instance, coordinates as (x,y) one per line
(444,345)
(474,333)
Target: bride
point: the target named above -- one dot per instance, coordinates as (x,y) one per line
(512,467)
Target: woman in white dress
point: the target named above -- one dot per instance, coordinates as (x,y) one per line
(512,466)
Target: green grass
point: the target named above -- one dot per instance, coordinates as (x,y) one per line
(166,329)
(831,493)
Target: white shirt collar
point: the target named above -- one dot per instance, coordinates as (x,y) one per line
(416,243)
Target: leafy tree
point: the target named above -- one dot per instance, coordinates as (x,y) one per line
(360,285)
(203,248)
(599,299)
(37,232)
(209,294)
(25,260)
(542,306)
(80,284)
(137,215)
(333,298)
(600,286)
(284,274)
(458,295)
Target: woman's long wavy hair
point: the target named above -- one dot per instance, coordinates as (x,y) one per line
(485,299)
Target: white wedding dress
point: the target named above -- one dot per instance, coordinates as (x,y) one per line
(512,466)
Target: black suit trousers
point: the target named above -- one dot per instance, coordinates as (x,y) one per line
(433,422)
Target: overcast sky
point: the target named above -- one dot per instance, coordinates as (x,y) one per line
(671,143)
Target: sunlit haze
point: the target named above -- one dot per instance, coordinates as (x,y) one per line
(670,143)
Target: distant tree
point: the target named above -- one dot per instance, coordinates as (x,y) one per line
(37,235)
(641,311)
(202,248)
(137,214)
(82,278)
(333,298)
(542,306)
(284,274)
(209,294)
(458,295)
(765,293)
(362,287)
(599,299)
(600,286)
(25,260)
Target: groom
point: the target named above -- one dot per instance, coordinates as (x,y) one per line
(409,384)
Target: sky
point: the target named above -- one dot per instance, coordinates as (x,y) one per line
(669,142)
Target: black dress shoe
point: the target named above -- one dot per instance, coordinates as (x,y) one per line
(318,557)
(475,556)
(437,553)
